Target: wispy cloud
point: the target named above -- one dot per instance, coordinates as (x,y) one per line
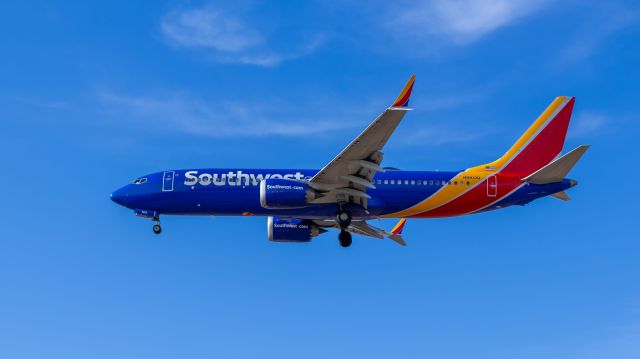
(188,114)
(588,124)
(226,37)
(50,104)
(442,134)
(460,99)
(592,34)
(461,21)
(209,28)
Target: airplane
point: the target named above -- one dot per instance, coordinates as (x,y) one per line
(354,188)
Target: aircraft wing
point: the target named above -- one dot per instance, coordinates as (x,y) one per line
(365,229)
(348,175)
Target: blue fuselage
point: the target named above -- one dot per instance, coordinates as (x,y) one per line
(235,192)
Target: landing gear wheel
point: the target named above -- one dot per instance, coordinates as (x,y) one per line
(157,229)
(345,239)
(343,218)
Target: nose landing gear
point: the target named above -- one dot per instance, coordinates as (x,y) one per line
(156,227)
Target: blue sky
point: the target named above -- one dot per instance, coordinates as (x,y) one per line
(94,94)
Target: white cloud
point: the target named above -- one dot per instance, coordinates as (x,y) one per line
(187,114)
(228,38)
(587,124)
(442,134)
(462,21)
(589,37)
(209,28)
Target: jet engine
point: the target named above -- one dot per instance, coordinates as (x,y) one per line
(276,193)
(292,229)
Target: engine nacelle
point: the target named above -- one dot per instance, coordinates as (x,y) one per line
(292,229)
(276,193)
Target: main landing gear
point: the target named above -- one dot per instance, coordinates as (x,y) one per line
(345,238)
(156,227)
(343,218)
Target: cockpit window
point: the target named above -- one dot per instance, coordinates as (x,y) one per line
(140,181)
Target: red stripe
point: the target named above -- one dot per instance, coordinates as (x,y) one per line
(474,199)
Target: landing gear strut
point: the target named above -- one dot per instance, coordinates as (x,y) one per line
(343,217)
(156,227)
(345,239)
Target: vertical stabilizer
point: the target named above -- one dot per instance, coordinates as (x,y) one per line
(541,143)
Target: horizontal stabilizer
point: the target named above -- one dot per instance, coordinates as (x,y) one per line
(562,195)
(398,239)
(557,170)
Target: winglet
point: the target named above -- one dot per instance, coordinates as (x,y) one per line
(396,233)
(397,229)
(403,98)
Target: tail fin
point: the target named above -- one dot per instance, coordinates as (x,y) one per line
(541,143)
(557,170)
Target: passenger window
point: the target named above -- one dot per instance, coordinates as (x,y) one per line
(413,182)
(455,183)
(393,181)
(468,183)
(386,181)
(425,182)
(431,182)
(437,182)
(406,181)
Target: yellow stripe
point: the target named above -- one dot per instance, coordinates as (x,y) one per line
(443,196)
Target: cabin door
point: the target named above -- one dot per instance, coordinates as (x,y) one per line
(492,186)
(167,181)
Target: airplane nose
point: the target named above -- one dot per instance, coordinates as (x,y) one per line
(119,196)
